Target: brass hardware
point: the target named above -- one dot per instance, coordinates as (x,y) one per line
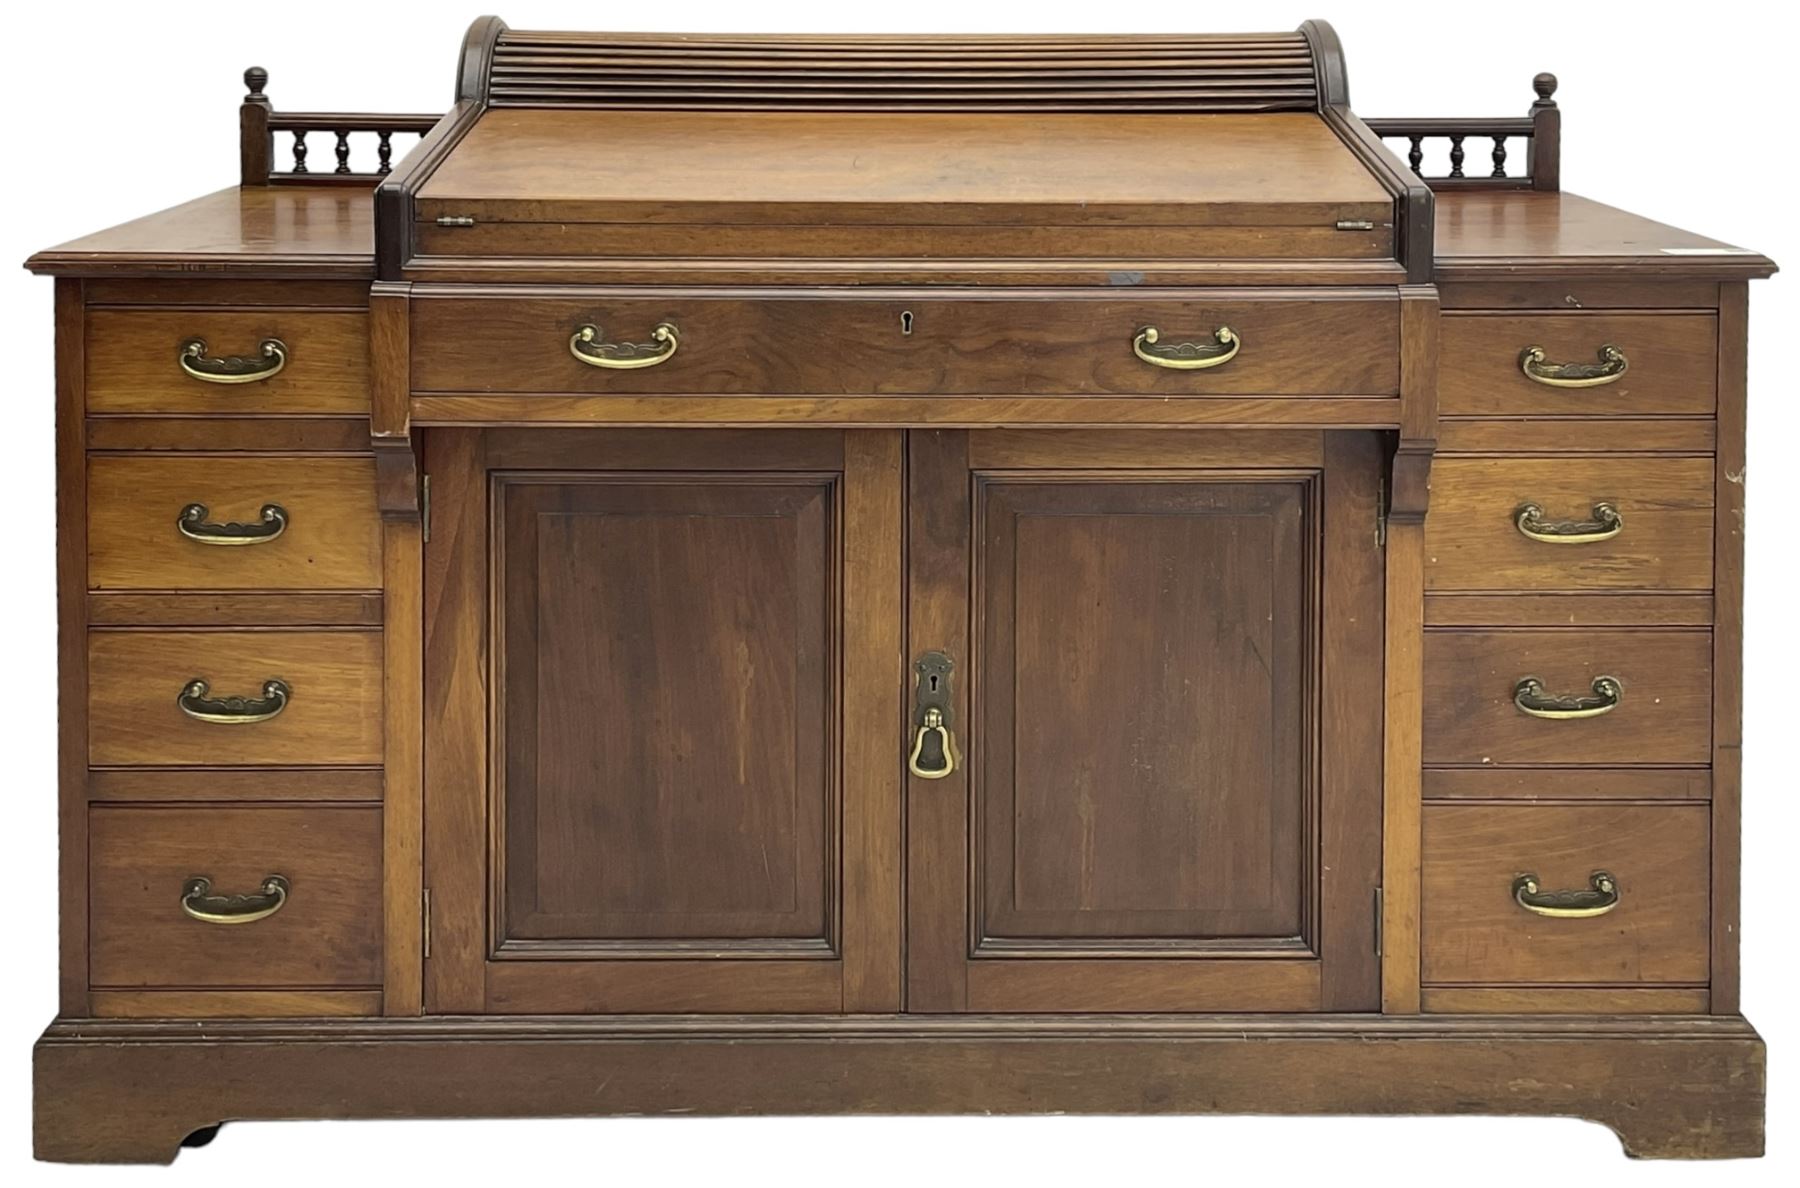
(932,716)
(1606,524)
(456,220)
(198,901)
(1601,898)
(1530,697)
(1355,225)
(233,369)
(192,524)
(1610,369)
(620,356)
(1186,356)
(233,711)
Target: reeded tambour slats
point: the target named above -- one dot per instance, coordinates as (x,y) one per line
(1227,73)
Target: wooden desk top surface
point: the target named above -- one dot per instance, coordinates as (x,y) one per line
(328,231)
(1274,168)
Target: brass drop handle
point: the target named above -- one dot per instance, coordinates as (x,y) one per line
(1609,370)
(1531,698)
(933,754)
(1601,897)
(1186,356)
(192,524)
(585,345)
(272,356)
(233,711)
(198,901)
(1605,524)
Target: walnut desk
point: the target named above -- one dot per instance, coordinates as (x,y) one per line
(819,575)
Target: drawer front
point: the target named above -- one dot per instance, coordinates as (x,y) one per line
(1663,712)
(326,931)
(134,361)
(909,345)
(325,533)
(1474,538)
(330,713)
(1671,364)
(1474,930)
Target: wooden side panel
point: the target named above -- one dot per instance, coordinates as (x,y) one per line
(71,651)
(1728,645)
(402,826)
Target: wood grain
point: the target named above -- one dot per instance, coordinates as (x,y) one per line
(1568,435)
(235,1004)
(236,608)
(1670,355)
(1568,783)
(1473,543)
(332,540)
(1564,1000)
(1520,608)
(1336,343)
(333,717)
(71,651)
(132,368)
(327,934)
(214,784)
(1664,717)
(403,773)
(1474,932)
(1728,645)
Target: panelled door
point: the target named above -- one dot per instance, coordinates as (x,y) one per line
(676,682)
(663,674)
(1148,721)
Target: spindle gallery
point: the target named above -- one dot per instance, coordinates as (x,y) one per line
(745,574)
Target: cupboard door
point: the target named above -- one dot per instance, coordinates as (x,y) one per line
(1166,706)
(654,678)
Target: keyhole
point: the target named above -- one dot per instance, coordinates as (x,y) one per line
(906,320)
(934,682)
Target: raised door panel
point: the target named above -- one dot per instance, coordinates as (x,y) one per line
(667,706)
(1143,712)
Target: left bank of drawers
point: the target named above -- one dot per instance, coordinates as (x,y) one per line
(234,659)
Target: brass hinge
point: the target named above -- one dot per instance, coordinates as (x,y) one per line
(1342,225)
(425,920)
(456,220)
(425,508)
(1378,921)
(1381,511)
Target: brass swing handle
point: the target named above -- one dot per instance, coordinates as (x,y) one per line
(1610,369)
(933,755)
(944,761)
(1601,898)
(1187,356)
(233,369)
(198,901)
(192,524)
(233,711)
(584,344)
(1606,524)
(1531,698)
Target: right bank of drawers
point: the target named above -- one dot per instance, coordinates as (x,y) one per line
(1568,663)
(234,658)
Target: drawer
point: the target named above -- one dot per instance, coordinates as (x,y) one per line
(326,931)
(331,712)
(325,535)
(917,344)
(1663,713)
(1475,540)
(1671,364)
(134,361)
(1473,929)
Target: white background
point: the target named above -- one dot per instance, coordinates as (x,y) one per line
(1682,113)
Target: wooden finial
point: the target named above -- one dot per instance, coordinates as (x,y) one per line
(1545,86)
(256,78)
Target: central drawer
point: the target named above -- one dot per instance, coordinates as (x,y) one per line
(1264,342)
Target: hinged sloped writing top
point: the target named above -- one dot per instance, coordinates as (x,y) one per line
(1117,154)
